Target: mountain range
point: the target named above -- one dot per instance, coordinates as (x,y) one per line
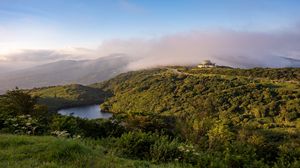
(65,72)
(91,71)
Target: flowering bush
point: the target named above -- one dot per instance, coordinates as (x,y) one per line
(64,134)
(189,153)
(22,124)
(60,133)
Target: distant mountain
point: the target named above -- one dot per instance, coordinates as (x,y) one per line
(66,72)
(263,61)
(293,62)
(4,68)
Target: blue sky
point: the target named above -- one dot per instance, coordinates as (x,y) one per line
(38,23)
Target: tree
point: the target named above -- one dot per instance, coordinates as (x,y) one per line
(220,135)
(20,109)
(18,102)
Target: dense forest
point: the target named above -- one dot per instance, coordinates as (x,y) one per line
(163,117)
(215,108)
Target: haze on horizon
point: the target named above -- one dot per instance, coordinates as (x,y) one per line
(237,33)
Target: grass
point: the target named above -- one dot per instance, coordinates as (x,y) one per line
(21,151)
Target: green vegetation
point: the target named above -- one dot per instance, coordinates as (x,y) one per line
(30,151)
(164,91)
(215,109)
(283,74)
(58,97)
(164,117)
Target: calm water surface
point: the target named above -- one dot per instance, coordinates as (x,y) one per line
(89,112)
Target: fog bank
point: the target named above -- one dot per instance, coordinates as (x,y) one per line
(225,47)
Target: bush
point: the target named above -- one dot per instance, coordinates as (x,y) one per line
(289,155)
(66,123)
(74,126)
(219,136)
(136,144)
(100,128)
(149,146)
(23,124)
(164,150)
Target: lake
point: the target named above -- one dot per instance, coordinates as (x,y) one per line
(89,112)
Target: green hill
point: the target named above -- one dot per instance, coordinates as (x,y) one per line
(57,97)
(212,91)
(214,106)
(180,116)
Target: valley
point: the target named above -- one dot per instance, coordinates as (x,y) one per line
(186,116)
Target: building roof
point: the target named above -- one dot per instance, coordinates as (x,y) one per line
(207,62)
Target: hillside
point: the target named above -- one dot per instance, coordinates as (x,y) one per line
(260,107)
(213,91)
(178,116)
(65,72)
(58,97)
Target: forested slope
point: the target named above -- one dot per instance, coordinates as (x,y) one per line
(215,117)
(57,97)
(218,106)
(209,91)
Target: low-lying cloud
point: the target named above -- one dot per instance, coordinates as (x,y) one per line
(34,56)
(225,47)
(28,57)
(238,49)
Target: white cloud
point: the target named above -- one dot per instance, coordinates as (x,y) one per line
(242,49)
(225,47)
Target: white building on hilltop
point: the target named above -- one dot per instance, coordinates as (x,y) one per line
(207,64)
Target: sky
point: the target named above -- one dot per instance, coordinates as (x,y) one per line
(37,31)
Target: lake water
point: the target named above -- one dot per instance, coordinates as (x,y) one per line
(89,112)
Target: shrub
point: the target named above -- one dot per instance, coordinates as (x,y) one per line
(164,149)
(23,124)
(219,136)
(65,123)
(289,155)
(100,128)
(136,144)
(149,146)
